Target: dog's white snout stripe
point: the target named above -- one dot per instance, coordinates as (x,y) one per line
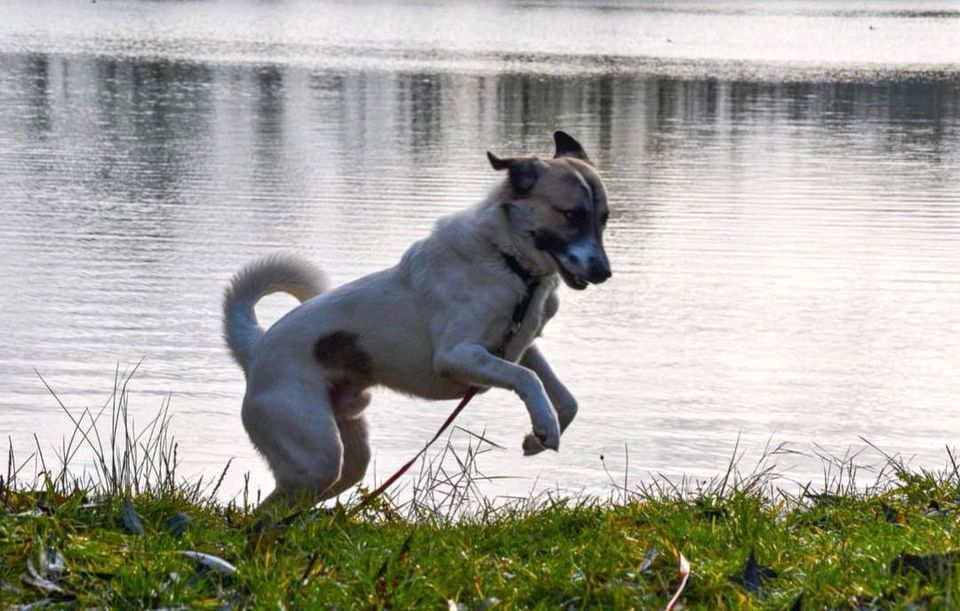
(583,181)
(582,251)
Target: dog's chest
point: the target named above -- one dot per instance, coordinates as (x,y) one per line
(529,316)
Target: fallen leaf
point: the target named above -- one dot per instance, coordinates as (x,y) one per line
(797,603)
(214,563)
(931,567)
(131,521)
(51,562)
(40,604)
(891,515)
(35,580)
(683,568)
(9,588)
(648,558)
(753,574)
(177,524)
(381,587)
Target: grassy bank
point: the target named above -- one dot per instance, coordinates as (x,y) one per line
(130,535)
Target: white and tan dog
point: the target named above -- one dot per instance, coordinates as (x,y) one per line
(462,308)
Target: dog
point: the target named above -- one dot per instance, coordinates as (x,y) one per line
(461,309)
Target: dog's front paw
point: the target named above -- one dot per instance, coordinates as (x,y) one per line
(537,442)
(532,445)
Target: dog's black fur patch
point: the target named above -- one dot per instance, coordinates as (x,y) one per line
(341,351)
(548,241)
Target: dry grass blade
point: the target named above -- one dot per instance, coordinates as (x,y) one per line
(122,458)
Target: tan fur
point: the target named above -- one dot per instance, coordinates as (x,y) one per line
(558,188)
(429,326)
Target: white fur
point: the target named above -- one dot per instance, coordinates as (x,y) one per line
(276,273)
(583,181)
(429,326)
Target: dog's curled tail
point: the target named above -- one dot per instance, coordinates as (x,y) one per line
(276,273)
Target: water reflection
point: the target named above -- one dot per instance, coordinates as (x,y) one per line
(38,86)
(786,255)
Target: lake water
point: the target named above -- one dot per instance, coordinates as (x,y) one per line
(785,226)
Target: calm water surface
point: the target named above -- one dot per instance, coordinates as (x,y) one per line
(785,228)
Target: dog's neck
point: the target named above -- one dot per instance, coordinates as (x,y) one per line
(515,254)
(486,226)
(532,283)
(518,269)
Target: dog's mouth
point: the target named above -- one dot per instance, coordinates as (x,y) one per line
(569,278)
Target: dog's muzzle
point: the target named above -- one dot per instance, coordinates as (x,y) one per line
(579,272)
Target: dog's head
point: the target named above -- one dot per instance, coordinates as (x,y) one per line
(558,209)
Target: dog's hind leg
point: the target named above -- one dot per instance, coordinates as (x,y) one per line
(356,454)
(298,435)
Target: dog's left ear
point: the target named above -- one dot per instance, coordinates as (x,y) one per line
(523,171)
(567,146)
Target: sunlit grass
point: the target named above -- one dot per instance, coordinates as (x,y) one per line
(114,535)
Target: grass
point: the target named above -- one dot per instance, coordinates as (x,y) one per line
(115,534)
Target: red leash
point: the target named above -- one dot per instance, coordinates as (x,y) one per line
(406,467)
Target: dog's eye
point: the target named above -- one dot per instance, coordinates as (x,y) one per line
(572,216)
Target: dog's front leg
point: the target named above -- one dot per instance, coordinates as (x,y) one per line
(563,401)
(473,364)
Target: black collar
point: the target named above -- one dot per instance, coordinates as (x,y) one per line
(520,310)
(521,272)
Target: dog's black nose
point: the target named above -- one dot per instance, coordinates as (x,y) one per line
(599,272)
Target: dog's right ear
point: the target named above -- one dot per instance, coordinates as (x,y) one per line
(523,171)
(567,146)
